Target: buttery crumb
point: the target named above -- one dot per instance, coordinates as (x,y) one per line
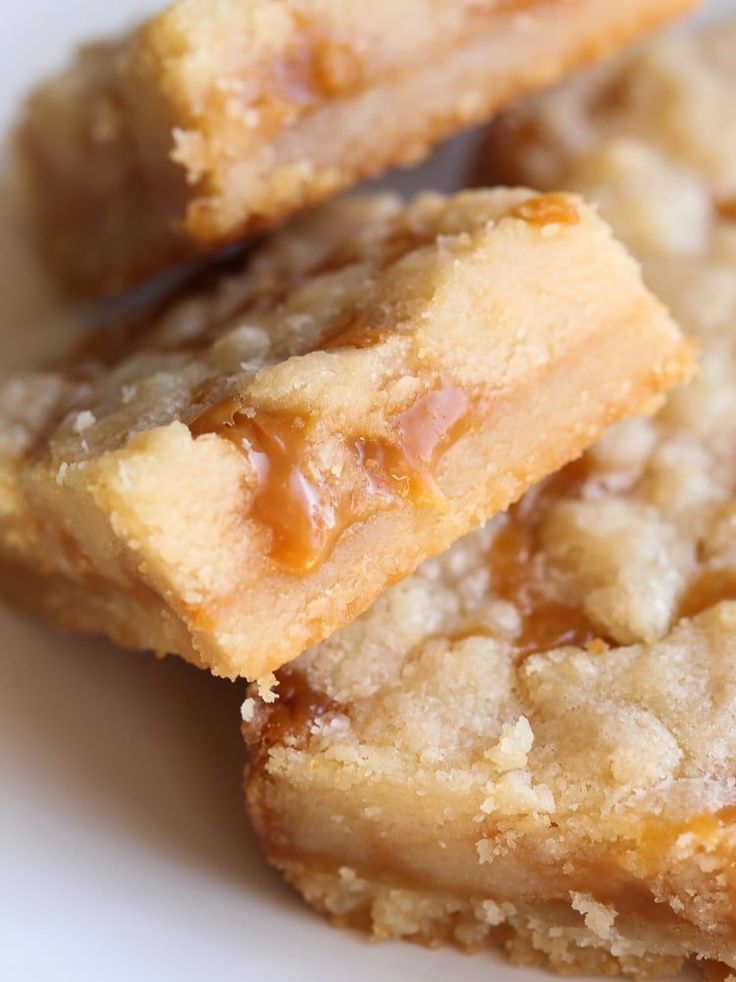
(248,710)
(83,421)
(267,689)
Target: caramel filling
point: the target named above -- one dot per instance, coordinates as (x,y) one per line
(547,209)
(519,570)
(701,833)
(317,69)
(715,971)
(632,873)
(304,510)
(709,589)
(704,827)
(298,509)
(403,465)
(726,210)
(289,720)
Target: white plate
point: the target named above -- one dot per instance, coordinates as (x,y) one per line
(124,851)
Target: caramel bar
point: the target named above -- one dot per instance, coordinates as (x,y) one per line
(212,121)
(242,474)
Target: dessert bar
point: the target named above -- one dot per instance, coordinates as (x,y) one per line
(215,120)
(238,476)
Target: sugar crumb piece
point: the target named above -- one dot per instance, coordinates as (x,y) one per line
(488,850)
(512,750)
(493,913)
(348,875)
(266,688)
(124,477)
(84,420)
(248,710)
(598,917)
(515,794)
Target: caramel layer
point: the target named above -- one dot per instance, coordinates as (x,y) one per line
(709,589)
(289,720)
(304,509)
(519,569)
(605,873)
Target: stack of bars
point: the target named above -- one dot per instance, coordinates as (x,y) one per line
(411,468)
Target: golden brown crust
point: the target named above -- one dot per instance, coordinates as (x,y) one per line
(268,456)
(204,126)
(563,936)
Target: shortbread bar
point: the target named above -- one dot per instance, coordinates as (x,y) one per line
(423,777)
(215,120)
(246,473)
(530,743)
(575,806)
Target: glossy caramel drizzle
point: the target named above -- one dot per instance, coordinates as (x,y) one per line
(518,569)
(547,209)
(303,510)
(709,589)
(298,510)
(403,464)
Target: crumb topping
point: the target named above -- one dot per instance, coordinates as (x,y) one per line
(339,282)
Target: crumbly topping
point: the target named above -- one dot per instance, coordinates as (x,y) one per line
(341,280)
(369,385)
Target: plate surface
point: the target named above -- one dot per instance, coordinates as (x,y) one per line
(124,850)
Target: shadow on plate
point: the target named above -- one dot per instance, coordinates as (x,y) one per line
(35,322)
(129,746)
(138,754)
